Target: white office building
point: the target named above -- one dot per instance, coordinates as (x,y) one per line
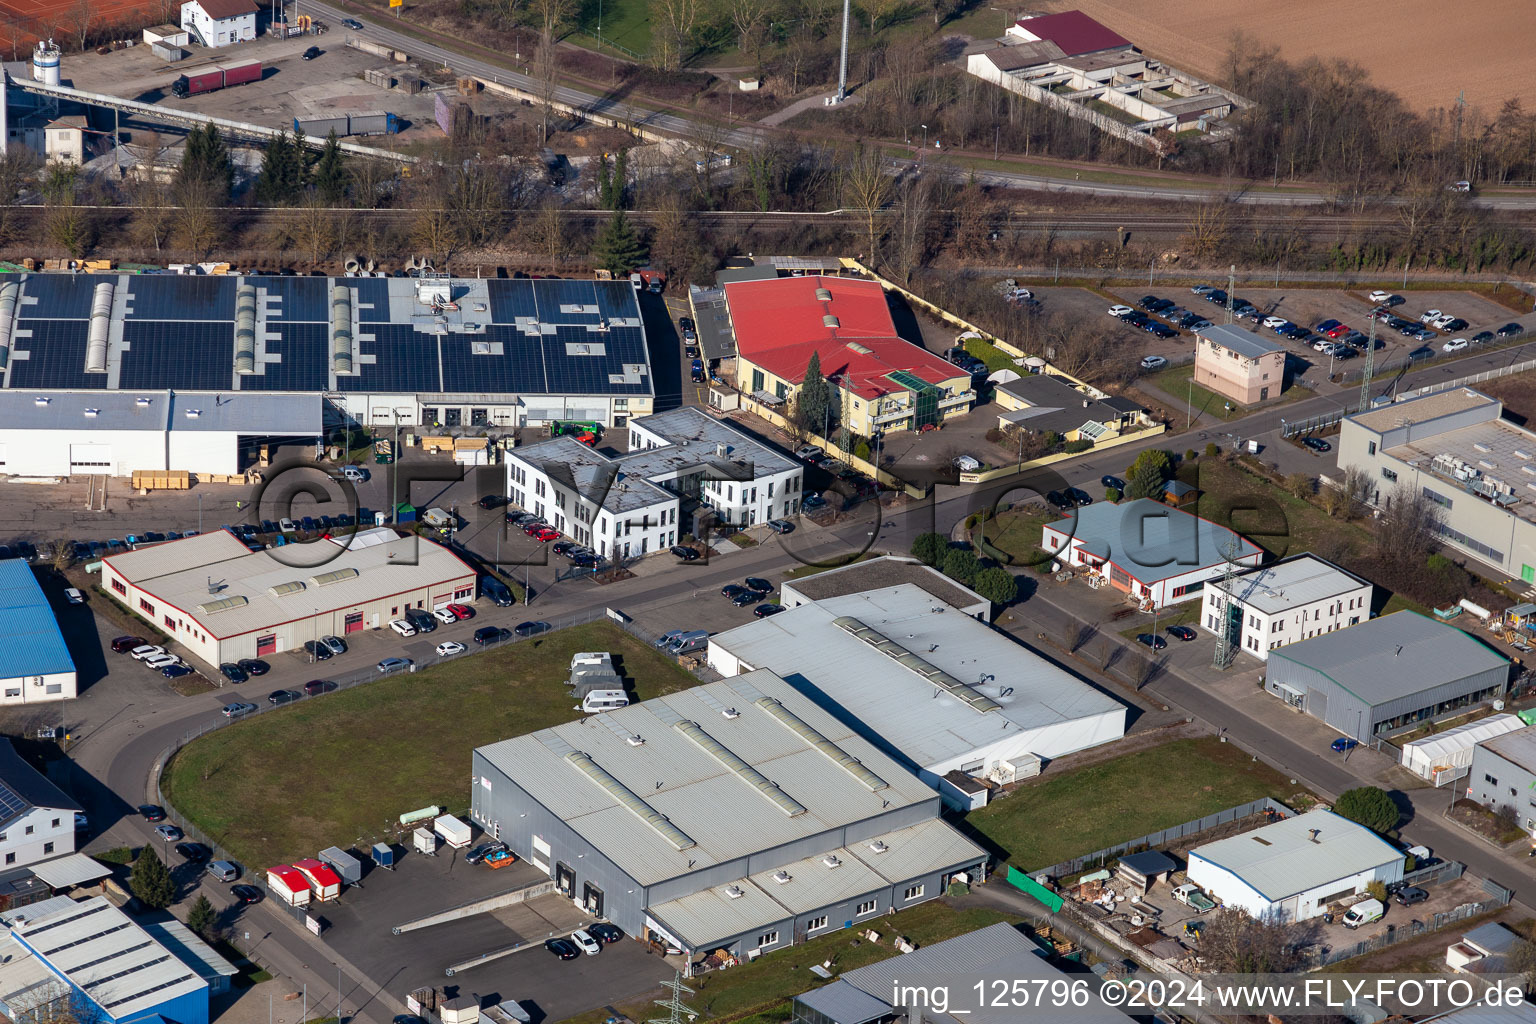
(1280,604)
(216,23)
(630,504)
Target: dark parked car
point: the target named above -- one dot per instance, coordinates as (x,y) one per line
(491,634)
(282,696)
(1317,444)
(1216,297)
(762,611)
(245,893)
(745,597)
(565,949)
(1482,337)
(152,812)
(1151,640)
(318,650)
(478,854)
(311,53)
(758,584)
(1112,481)
(1456,325)
(127,643)
(684,552)
(1181,633)
(1510,330)
(781,526)
(1146,301)
(234,673)
(1078,496)
(316,687)
(175,671)
(531,628)
(604,932)
(1160,331)
(254,666)
(733,590)
(194,852)
(493,501)
(1059,500)
(1411,895)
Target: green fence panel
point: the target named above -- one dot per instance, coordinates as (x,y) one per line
(1019,880)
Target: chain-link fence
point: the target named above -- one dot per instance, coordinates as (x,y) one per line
(1153,840)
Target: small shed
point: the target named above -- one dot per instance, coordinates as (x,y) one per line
(324,883)
(454,832)
(289,885)
(383,855)
(424,840)
(1179,494)
(344,864)
(1145,869)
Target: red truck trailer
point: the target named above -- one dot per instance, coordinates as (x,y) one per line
(217,76)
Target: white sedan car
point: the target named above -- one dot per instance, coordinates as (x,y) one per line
(444,616)
(448,648)
(402,627)
(1379,296)
(1429,314)
(1153,362)
(1275,321)
(1119,311)
(1454,345)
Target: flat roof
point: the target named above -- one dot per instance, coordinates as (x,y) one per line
(190,949)
(723,911)
(880,573)
(1290,583)
(373,564)
(695,438)
(1150,540)
(1483,460)
(1393,656)
(105,953)
(177,332)
(246,412)
(31,643)
(1024,55)
(1518,747)
(682,788)
(1021,691)
(1243,342)
(841,1003)
(1421,409)
(1282,859)
(71,869)
(712,322)
(779,323)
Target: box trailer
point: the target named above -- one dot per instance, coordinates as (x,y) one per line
(217,76)
(424,840)
(383,855)
(324,883)
(241,71)
(289,885)
(344,864)
(454,832)
(373,122)
(320,127)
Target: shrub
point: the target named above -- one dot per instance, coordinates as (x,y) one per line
(996,585)
(1377,890)
(929,548)
(1190,455)
(961,564)
(1082,444)
(1369,806)
(1111,494)
(1211,449)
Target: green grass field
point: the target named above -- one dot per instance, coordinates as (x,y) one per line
(1112,801)
(625,23)
(325,772)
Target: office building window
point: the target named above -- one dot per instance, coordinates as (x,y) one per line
(767,939)
(816,922)
(912,892)
(867,907)
(1389,475)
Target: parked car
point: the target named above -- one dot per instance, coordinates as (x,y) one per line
(781,526)
(317,650)
(1317,444)
(1454,345)
(237,709)
(565,949)
(448,648)
(1429,315)
(1410,895)
(1078,496)
(195,852)
(1160,331)
(1510,330)
(1379,296)
(170,833)
(311,53)
(762,611)
(1482,337)
(758,584)
(394,664)
(283,696)
(124,644)
(245,893)
(1325,326)
(315,687)
(73,596)
(160,661)
(1153,362)
(586,943)
(1343,744)
(1059,500)
(1455,324)
(1275,321)
(253,666)
(152,812)
(526,629)
(175,671)
(402,627)
(1182,633)
(444,616)
(1120,311)
(1216,297)
(234,673)
(604,932)
(1151,640)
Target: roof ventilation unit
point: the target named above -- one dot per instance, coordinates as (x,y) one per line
(92,413)
(823,295)
(10,296)
(193,414)
(41,402)
(734,892)
(341,330)
(878,847)
(245,329)
(781,876)
(142,403)
(830,321)
(100,325)
(831,860)
(731,713)
(635,741)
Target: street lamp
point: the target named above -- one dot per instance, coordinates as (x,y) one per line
(925,136)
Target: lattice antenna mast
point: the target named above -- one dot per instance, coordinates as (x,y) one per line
(1225,649)
(1370,366)
(1231,287)
(678,1012)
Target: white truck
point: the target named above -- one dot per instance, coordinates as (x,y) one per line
(1190,895)
(436,517)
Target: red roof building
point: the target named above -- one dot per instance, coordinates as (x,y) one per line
(1073,31)
(779,323)
(322,878)
(289,884)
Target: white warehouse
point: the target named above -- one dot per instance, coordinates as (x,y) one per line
(1296,868)
(116,433)
(628,505)
(928,684)
(1291,600)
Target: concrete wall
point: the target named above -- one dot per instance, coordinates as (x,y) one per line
(984,69)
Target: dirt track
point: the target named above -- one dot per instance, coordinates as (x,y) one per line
(1424,49)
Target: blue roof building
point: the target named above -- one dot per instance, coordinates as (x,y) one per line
(35,665)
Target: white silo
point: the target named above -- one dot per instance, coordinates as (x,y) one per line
(45,63)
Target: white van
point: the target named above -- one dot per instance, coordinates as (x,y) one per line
(604,700)
(591,659)
(1364,912)
(356,474)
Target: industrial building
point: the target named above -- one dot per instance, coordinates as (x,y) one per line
(88,960)
(216,23)
(879,574)
(1238,365)
(930,686)
(35,666)
(734,816)
(1290,600)
(678,463)
(1503,773)
(1454,448)
(223,602)
(433,351)
(880,381)
(1296,868)
(1156,554)
(1444,757)
(873,994)
(1386,674)
(119,433)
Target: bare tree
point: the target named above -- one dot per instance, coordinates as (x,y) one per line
(747,17)
(867,188)
(82,15)
(433,230)
(1208,228)
(1409,526)
(200,218)
(676,19)
(549,232)
(1235,943)
(17,166)
(914,225)
(1344,497)
(552,16)
(314,232)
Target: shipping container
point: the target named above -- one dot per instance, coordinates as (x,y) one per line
(289,885)
(343,863)
(454,832)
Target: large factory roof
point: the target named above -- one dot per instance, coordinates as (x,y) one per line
(174,332)
(722,771)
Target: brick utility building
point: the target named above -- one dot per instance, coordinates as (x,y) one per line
(1386,674)
(736,815)
(880,381)
(1157,554)
(1238,364)
(224,602)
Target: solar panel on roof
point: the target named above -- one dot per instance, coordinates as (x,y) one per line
(178,297)
(615,299)
(510,300)
(302,366)
(297,298)
(55,352)
(11,803)
(405,361)
(520,367)
(372,298)
(59,296)
(184,355)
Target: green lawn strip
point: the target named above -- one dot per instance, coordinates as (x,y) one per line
(1185,614)
(1102,804)
(1238,499)
(761,986)
(329,771)
(1017,533)
(1178,382)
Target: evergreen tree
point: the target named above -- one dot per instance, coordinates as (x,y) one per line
(205,161)
(1146,482)
(1371,806)
(929,548)
(282,172)
(620,179)
(618,249)
(202,916)
(996,585)
(332,179)
(604,182)
(813,407)
(961,564)
(151,882)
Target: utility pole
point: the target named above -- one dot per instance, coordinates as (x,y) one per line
(842,60)
(1224,608)
(1231,287)
(1370,365)
(678,1012)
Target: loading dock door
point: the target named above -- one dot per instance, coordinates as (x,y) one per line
(88,459)
(354,622)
